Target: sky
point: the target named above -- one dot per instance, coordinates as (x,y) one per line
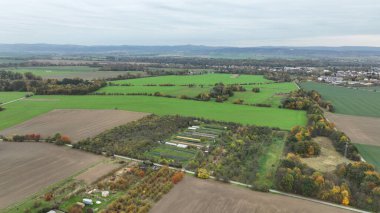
(199,22)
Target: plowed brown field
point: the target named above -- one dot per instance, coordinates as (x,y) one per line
(194,195)
(76,123)
(27,168)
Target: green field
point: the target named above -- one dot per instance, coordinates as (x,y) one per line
(348,101)
(55,70)
(23,110)
(60,72)
(167,90)
(370,153)
(171,152)
(207,79)
(9,96)
(270,93)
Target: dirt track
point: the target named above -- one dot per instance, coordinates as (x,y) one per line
(362,130)
(194,195)
(77,124)
(26,168)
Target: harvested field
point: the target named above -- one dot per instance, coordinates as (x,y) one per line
(194,195)
(77,124)
(27,168)
(361,130)
(94,173)
(328,159)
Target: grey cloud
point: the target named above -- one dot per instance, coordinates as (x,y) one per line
(212,22)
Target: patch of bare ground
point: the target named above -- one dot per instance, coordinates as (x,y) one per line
(361,130)
(27,168)
(328,159)
(235,76)
(76,123)
(100,170)
(194,195)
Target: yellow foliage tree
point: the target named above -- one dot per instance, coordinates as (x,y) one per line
(345,201)
(203,173)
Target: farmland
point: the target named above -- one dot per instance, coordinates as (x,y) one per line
(207,79)
(269,93)
(27,168)
(76,124)
(361,130)
(9,96)
(193,195)
(169,90)
(370,153)
(15,113)
(348,101)
(60,72)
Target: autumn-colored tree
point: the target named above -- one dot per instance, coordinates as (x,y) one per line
(141,173)
(203,173)
(48,196)
(65,139)
(177,177)
(75,209)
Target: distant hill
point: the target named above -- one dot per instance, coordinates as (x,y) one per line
(192,50)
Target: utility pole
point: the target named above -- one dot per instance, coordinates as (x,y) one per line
(345,150)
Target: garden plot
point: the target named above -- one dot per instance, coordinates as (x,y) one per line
(76,124)
(183,146)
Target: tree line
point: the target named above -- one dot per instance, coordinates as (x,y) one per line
(28,82)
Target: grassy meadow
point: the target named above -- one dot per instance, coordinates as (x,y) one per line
(348,101)
(167,90)
(23,110)
(270,93)
(207,79)
(9,96)
(55,70)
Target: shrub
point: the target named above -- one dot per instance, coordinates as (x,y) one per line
(177,177)
(256,89)
(203,173)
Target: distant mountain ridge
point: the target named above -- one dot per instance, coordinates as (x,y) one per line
(193,50)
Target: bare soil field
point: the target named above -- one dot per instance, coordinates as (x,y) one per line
(94,173)
(76,124)
(328,159)
(361,130)
(27,168)
(194,195)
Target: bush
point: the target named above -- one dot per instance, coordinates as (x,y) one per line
(203,173)
(256,89)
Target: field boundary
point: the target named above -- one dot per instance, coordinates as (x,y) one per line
(317,201)
(19,99)
(249,186)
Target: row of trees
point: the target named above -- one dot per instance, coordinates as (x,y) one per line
(28,82)
(300,137)
(303,100)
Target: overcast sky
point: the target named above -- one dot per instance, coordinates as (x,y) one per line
(199,22)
